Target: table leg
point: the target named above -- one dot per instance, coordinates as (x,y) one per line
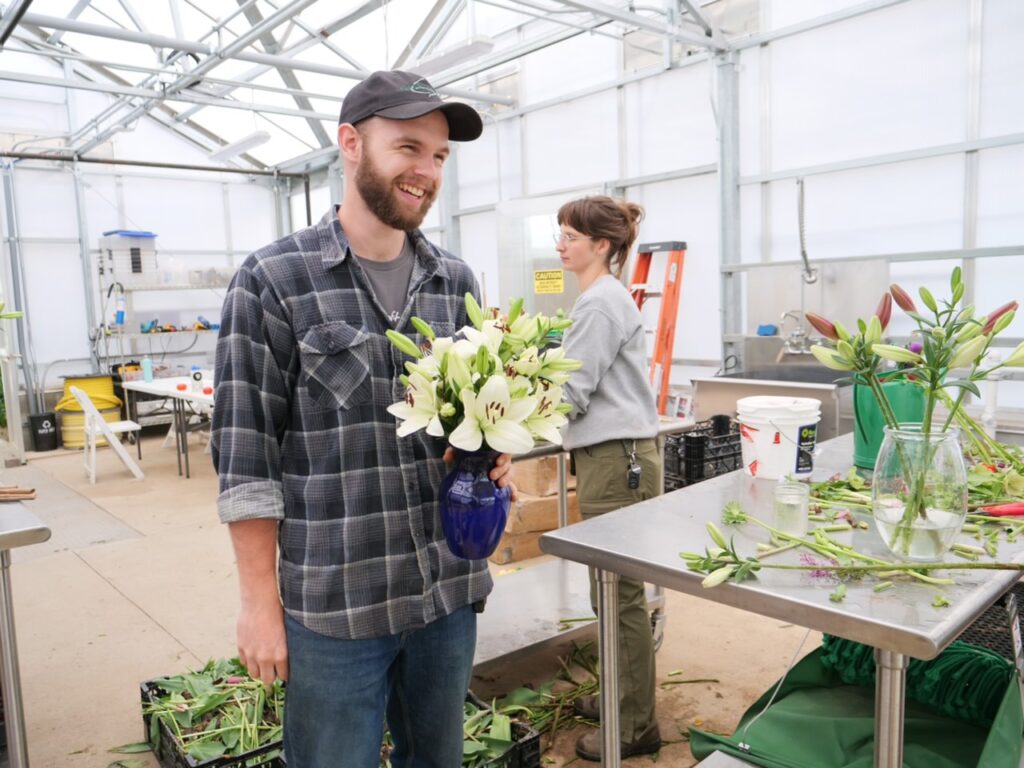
(17,748)
(184,436)
(177,432)
(608,651)
(890,690)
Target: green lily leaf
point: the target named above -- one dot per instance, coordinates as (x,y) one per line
(129,749)
(129,763)
(207,749)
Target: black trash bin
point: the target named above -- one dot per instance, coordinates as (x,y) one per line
(44,430)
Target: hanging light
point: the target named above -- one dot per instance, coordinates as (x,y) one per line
(244,144)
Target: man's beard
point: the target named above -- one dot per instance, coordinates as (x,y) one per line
(379,195)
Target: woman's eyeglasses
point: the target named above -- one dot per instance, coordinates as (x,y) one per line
(568,237)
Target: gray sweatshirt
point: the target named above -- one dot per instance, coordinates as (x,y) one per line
(611,395)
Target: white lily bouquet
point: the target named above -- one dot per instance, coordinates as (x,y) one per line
(496,384)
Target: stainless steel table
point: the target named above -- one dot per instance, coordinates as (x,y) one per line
(18,528)
(644,541)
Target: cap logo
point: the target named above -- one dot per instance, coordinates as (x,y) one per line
(422,86)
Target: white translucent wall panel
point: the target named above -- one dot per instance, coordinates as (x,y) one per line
(687,210)
(99,195)
(669,123)
(320,203)
(750,224)
(1001,196)
(31,110)
(1002,108)
(782,13)
(572,144)
(997,281)
(45,203)
(478,169)
(569,66)
(55,303)
(911,276)
(751,122)
(1010,395)
(479,233)
(252,219)
(145,139)
(912,206)
(184,214)
(883,82)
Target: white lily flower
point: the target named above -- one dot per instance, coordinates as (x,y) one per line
(545,421)
(493,415)
(458,373)
(490,335)
(419,409)
(528,363)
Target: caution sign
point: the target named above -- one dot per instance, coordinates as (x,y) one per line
(548,281)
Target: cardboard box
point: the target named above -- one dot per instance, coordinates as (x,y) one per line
(539,477)
(517,546)
(536,513)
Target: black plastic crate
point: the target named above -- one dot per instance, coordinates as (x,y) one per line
(170,755)
(992,628)
(708,449)
(525,750)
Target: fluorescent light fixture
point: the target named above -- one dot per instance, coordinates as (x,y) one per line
(477,46)
(244,144)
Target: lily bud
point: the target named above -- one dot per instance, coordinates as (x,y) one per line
(716,535)
(829,358)
(720,576)
(845,350)
(971,330)
(884,310)
(938,332)
(966,353)
(404,343)
(424,328)
(928,299)
(1010,306)
(896,354)
(873,335)
(822,325)
(1003,322)
(473,312)
(902,298)
(1016,358)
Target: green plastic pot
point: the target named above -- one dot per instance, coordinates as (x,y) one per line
(907,401)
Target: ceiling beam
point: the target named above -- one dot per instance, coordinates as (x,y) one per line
(421,30)
(11,18)
(75,12)
(646,23)
(270,44)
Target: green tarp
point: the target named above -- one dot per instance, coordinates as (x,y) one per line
(817,721)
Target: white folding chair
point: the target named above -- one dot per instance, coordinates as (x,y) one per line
(95,427)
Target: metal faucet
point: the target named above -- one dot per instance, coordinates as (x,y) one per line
(796,342)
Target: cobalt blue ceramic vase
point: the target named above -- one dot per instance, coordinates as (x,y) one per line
(473,508)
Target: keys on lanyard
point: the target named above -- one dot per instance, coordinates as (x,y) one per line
(633,470)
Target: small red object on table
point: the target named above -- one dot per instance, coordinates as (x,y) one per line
(207,390)
(182,387)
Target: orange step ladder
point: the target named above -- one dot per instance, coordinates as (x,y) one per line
(665,334)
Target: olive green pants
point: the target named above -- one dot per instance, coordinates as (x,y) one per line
(602,486)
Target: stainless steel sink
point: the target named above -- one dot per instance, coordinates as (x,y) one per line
(806,374)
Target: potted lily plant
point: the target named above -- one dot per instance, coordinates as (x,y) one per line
(494,387)
(919,487)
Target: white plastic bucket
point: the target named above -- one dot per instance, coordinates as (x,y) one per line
(777,435)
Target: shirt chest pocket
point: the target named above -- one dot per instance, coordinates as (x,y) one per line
(336,364)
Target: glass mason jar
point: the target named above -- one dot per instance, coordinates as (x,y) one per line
(919,492)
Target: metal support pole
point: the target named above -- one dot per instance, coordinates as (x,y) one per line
(563,490)
(608,651)
(17,747)
(890,689)
(729,199)
(309,201)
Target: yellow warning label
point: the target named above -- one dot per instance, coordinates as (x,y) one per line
(548,281)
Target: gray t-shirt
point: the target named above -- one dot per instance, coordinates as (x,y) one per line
(390,279)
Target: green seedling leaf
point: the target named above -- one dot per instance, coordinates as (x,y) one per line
(130,749)
(838,594)
(940,601)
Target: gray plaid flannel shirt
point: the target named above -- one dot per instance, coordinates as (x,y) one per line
(304,374)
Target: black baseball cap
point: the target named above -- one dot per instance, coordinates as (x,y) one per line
(404,96)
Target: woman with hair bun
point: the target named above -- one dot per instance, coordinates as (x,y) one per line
(612,434)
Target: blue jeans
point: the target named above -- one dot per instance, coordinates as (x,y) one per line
(339,691)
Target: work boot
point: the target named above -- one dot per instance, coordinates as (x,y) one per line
(588,746)
(588,707)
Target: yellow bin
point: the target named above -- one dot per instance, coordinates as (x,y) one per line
(100,390)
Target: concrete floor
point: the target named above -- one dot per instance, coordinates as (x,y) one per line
(138,581)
